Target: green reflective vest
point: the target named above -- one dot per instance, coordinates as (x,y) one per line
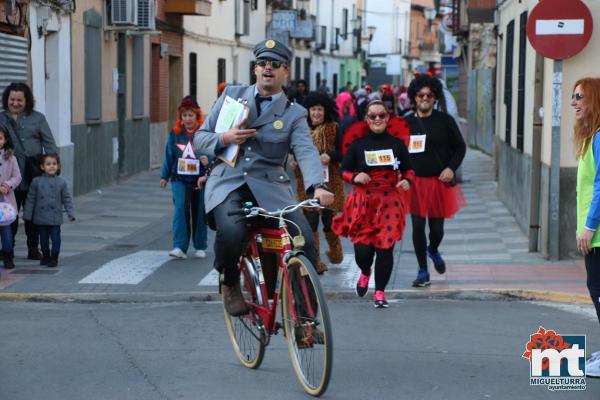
(586,172)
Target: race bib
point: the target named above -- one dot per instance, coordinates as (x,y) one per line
(416,144)
(379,158)
(188,166)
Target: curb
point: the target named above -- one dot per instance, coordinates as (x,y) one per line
(332,295)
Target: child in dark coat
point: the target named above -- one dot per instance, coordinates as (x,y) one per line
(48,195)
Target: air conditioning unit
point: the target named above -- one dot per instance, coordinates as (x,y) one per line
(146,14)
(123,12)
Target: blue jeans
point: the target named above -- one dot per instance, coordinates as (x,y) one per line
(188,217)
(47,233)
(6,236)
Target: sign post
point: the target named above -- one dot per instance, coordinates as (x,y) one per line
(558,29)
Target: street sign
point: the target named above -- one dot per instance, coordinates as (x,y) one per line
(559,29)
(283,20)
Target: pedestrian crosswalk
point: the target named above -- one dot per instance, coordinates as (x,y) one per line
(128,270)
(136,267)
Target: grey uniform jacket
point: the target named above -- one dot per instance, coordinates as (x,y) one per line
(260,162)
(33,132)
(45,199)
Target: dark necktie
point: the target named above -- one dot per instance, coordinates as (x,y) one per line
(259,100)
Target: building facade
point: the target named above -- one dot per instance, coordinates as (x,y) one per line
(524,142)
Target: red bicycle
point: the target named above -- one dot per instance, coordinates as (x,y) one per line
(273,267)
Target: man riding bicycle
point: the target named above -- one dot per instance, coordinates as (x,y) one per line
(273,127)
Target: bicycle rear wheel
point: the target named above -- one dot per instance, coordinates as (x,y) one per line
(307,326)
(247,332)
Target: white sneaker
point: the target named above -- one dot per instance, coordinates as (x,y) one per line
(592,367)
(200,254)
(178,253)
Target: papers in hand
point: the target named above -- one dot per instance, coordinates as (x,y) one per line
(231,114)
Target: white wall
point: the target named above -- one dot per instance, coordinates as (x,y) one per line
(213,37)
(392,20)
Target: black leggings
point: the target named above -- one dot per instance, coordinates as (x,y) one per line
(436,234)
(384,263)
(592,265)
(313,219)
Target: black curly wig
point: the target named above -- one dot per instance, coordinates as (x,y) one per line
(321,99)
(422,81)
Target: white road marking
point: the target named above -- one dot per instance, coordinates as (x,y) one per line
(128,270)
(559,27)
(211,279)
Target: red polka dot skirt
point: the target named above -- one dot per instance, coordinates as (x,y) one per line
(374,214)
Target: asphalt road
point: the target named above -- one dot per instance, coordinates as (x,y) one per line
(416,349)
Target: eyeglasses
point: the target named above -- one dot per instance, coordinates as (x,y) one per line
(422,95)
(274,64)
(373,116)
(577,96)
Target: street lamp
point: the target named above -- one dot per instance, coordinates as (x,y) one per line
(371,31)
(430,14)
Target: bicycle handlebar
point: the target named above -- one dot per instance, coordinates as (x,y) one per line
(256,211)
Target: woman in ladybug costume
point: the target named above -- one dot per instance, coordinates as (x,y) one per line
(374,212)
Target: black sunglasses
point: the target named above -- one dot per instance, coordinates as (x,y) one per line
(274,64)
(423,95)
(577,96)
(373,116)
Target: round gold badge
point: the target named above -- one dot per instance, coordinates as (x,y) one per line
(270,44)
(278,124)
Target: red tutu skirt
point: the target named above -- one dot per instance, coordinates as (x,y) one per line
(374,214)
(430,197)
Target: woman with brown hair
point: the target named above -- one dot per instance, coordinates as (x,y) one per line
(585,100)
(322,119)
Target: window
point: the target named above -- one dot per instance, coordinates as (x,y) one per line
(307,72)
(345,23)
(297,68)
(521,87)
(93,65)
(242,17)
(318,79)
(137,70)
(508,74)
(252,75)
(193,64)
(221,70)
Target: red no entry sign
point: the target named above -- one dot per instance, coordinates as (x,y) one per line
(559,29)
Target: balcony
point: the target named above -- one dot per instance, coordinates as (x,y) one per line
(188,7)
(430,52)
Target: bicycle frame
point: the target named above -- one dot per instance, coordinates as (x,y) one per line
(269,236)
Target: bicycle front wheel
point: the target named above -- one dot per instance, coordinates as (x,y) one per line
(307,325)
(247,332)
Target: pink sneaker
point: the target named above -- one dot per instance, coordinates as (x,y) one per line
(362,286)
(379,299)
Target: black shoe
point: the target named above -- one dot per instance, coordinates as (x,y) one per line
(7,258)
(53,261)
(45,261)
(33,253)
(438,261)
(422,279)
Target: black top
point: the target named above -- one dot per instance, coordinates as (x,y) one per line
(355,156)
(444,144)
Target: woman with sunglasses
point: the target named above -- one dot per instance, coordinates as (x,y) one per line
(373,217)
(436,150)
(322,120)
(586,103)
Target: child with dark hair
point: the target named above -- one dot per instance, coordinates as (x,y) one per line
(10,178)
(48,195)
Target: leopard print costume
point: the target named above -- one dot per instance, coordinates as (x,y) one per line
(323,137)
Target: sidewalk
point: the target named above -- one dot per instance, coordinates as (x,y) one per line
(483,247)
